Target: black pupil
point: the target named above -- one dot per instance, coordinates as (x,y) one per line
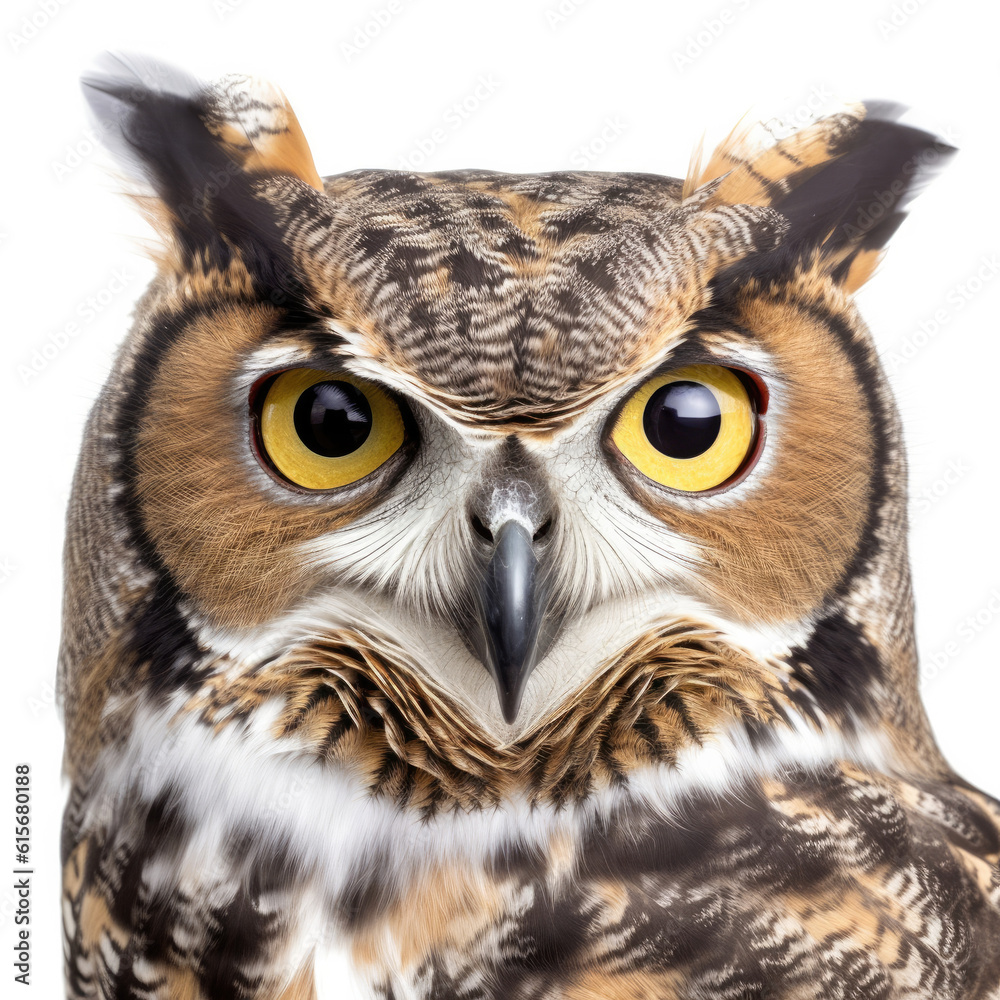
(333,418)
(682,419)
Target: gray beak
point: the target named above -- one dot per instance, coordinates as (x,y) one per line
(512,614)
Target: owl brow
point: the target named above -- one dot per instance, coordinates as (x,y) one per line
(313,332)
(694,349)
(715,319)
(294,341)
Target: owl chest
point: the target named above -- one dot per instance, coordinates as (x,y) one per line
(637,905)
(793,883)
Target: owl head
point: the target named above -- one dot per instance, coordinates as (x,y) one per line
(492,455)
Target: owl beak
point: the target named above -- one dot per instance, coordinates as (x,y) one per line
(512,609)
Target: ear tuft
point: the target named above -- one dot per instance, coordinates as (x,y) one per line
(858,199)
(748,169)
(203,148)
(254,120)
(843,184)
(117,88)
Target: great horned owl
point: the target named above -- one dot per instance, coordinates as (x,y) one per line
(488,585)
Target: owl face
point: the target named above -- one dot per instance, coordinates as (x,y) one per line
(290,469)
(503,427)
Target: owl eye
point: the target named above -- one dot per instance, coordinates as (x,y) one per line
(321,429)
(690,429)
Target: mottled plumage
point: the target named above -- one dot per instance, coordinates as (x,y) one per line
(504,715)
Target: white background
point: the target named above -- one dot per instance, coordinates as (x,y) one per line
(620,85)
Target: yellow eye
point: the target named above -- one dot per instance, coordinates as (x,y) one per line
(690,429)
(322,430)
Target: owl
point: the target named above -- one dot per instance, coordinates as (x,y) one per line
(488,586)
